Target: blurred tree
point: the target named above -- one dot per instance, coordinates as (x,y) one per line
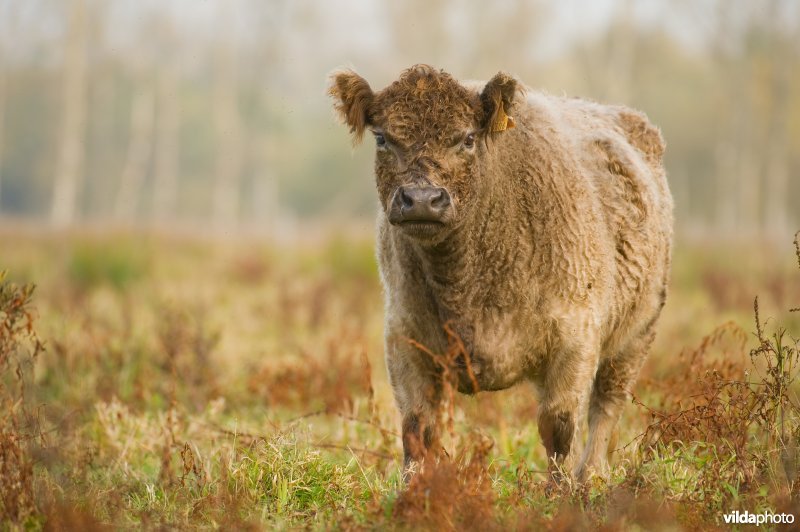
(111,87)
(227,122)
(753,53)
(503,37)
(70,163)
(265,133)
(167,147)
(782,60)
(8,12)
(140,146)
(238,113)
(420,32)
(609,63)
(620,81)
(730,162)
(3,83)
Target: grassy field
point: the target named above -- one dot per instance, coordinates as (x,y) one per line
(191,384)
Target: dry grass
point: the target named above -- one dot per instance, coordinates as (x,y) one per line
(451,494)
(19,425)
(188,384)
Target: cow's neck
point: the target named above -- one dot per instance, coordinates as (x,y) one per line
(471,269)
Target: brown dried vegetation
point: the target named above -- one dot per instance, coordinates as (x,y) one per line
(451,493)
(19,423)
(169,411)
(336,377)
(738,413)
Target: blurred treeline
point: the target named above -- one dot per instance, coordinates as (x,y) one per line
(214,114)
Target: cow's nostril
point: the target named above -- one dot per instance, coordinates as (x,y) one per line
(406,199)
(438,199)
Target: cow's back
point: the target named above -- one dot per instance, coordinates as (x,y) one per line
(621,152)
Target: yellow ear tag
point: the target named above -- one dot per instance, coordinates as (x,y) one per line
(503,121)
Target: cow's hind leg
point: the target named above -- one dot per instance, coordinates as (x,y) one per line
(611,389)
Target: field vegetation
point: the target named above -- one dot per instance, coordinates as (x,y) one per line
(158,381)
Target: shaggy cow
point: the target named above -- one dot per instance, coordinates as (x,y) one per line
(536,227)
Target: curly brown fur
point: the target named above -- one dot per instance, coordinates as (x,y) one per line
(551,259)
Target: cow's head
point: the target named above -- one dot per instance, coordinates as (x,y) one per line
(430,134)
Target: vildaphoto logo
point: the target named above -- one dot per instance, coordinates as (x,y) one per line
(765,518)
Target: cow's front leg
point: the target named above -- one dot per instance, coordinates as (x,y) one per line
(420,438)
(417,390)
(564,394)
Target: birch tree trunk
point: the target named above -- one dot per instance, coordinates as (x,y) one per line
(71,154)
(265,191)
(167,147)
(139,151)
(622,53)
(777,135)
(227,125)
(263,145)
(3,82)
(727,149)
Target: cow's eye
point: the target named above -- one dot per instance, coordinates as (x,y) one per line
(469,140)
(380,140)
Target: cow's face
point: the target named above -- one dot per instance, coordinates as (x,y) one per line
(429,132)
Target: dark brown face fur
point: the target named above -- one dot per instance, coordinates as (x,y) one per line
(425,118)
(429,131)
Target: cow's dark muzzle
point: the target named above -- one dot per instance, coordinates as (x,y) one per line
(420,207)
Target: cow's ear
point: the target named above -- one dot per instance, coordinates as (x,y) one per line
(497,99)
(352,98)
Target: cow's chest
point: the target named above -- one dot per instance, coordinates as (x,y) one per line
(499,349)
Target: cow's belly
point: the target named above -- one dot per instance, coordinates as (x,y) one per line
(501,357)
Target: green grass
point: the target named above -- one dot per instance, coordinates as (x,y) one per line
(200,385)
